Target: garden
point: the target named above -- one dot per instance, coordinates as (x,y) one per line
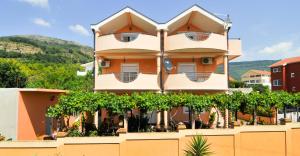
(121,108)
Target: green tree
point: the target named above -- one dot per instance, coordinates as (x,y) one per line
(11,75)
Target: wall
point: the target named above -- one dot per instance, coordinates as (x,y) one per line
(293,82)
(146,66)
(32,110)
(276,76)
(242,141)
(8,110)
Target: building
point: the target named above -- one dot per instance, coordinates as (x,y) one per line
(135,53)
(285,75)
(22,113)
(253,77)
(87,67)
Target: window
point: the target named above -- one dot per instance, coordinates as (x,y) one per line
(276,70)
(185,110)
(257,81)
(189,69)
(127,37)
(277,83)
(293,88)
(252,81)
(129,72)
(292,75)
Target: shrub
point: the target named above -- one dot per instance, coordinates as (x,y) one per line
(198,147)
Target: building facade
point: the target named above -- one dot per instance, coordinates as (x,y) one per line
(285,75)
(133,53)
(253,77)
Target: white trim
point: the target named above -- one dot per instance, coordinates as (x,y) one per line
(201,11)
(126,10)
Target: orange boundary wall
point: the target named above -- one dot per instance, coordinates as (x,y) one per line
(241,141)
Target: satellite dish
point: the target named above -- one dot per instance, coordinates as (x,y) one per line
(168,64)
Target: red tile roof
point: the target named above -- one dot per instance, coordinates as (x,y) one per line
(262,72)
(286,61)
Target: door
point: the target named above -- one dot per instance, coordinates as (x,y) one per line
(49,123)
(129,72)
(189,69)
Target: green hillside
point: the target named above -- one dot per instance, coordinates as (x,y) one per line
(239,68)
(44,49)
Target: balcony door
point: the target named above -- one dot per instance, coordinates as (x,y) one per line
(129,72)
(189,69)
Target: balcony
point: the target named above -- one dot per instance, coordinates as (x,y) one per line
(235,48)
(127,42)
(127,81)
(196,42)
(196,81)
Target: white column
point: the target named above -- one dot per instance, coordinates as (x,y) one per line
(126,121)
(225,64)
(158,119)
(96,119)
(166,122)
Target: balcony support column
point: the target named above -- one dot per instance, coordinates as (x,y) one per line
(225,64)
(166,120)
(158,119)
(226,117)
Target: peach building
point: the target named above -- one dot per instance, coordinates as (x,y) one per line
(134,53)
(22,113)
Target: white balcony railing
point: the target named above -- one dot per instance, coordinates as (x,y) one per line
(197,41)
(196,81)
(127,42)
(127,81)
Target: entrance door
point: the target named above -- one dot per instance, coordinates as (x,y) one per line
(129,72)
(189,69)
(49,124)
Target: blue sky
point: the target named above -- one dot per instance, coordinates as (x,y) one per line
(269,29)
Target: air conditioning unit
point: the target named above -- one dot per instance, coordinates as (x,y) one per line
(207,60)
(104,64)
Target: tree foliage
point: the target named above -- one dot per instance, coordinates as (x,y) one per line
(11,75)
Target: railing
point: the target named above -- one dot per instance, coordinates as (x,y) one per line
(126,37)
(126,77)
(198,77)
(197,36)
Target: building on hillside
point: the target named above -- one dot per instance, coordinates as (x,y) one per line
(253,77)
(22,113)
(137,54)
(87,67)
(285,75)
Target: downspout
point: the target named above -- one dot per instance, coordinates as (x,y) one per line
(94,52)
(162,52)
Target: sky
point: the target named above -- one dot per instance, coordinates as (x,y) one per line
(269,29)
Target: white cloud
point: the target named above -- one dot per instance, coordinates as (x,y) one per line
(41,22)
(79,29)
(277,48)
(37,3)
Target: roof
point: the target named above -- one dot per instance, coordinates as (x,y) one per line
(261,72)
(42,90)
(286,61)
(194,8)
(87,64)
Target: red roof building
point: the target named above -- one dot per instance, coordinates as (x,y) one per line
(285,75)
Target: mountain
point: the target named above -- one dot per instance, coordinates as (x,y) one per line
(236,69)
(44,49)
